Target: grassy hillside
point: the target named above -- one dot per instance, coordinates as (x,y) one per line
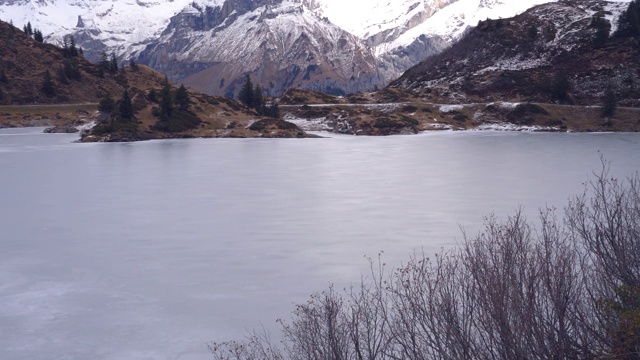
(44,85)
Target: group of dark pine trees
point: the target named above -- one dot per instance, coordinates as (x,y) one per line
(252,96)
(124,106)
(33,32)
(628,27)
(108,64)
(629,23)
(174,111)
(70,69)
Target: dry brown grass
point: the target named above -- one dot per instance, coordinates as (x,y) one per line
(46,115)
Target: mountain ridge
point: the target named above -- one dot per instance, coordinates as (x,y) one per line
(388,38)
(519,59)
(44,85)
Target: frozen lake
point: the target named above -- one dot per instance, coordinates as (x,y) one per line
(150,250)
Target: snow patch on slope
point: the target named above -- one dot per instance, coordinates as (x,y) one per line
(451,22)
(120,23)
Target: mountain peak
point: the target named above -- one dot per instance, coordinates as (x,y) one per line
(325,45)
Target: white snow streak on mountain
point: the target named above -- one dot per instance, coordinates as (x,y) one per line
(133,22)
(127,22)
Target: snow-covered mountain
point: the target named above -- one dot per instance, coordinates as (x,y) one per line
(327,45)
(551,53)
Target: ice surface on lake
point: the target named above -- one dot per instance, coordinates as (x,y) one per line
(150,250)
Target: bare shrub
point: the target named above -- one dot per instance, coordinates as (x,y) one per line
(555,290)
(368,315)
(529,298)
(257,346)
(319,329)
(430,314)
(605,223)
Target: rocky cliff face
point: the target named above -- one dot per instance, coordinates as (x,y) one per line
(333,46)
(566,52)
(279,44)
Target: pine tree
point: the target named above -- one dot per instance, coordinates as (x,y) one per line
(62,76)
(12,30)
(166,100)
(37,36)
(610,102)
(133,65)
(629,21)
(126,107)
(105,65)
(603,29)
(152,95)
(28,29)
(65,46)
(107,105)
(113,63)
(560,87)
(73,50)
(274,110)
(258,101)
(246,93)
(182,100)
(48,87)
(72,70)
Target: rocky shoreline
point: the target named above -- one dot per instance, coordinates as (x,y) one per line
(367,119)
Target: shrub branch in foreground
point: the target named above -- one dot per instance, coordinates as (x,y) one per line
(555,290)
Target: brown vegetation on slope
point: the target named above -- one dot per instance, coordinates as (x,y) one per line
(75,86)
(557,52)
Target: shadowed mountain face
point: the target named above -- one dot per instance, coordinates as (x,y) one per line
(567,52)
(332,46)
(281,46)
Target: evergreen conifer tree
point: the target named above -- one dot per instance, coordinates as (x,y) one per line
(629,21)
(105,65)
(610,102)
(133,65)
(37,36)
(152,95)
(182,100)
(48,87)
(72,70)
(113,63)
(166,100)
(65,46)
(258,101)
(62,75)
(3,77)
(246,93)
(603,29)
(126,107)
(560,87)
(73,50)
(107,105)
(29,29)
(274,110)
